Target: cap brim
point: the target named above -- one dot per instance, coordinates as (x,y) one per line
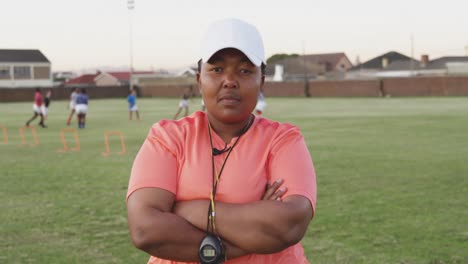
(255,61)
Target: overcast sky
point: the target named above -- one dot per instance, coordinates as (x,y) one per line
(79,35)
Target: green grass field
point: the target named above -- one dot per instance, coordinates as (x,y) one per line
(392,180)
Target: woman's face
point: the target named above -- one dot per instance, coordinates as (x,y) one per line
(229,84)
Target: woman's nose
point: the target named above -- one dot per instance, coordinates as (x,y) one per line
(230,81)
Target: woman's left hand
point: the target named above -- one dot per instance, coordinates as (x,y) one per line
(274,191)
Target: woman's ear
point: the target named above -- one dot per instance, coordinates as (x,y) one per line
(262,84)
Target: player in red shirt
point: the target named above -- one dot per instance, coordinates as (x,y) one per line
(38,108)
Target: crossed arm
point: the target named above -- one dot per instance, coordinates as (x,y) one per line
(170,230)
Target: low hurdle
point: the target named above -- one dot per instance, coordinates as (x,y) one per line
(33,131)
(5,135)
(106,142)
(64,141)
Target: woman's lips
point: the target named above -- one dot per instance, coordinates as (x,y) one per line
(229,100)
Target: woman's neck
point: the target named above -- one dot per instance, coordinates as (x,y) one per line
(227,131)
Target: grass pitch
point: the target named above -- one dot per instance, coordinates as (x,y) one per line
(391,173)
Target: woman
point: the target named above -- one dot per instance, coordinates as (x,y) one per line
(184,103)
(45,106)
(38,109)
(132,105)
(72,104)
(81,107)
(254,177)
(261,104)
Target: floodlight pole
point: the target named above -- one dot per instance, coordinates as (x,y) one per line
(306,78)
(412,56)
(131,6)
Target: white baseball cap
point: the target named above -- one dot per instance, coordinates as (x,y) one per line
(233,33)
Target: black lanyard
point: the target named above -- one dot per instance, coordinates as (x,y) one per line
(215,178)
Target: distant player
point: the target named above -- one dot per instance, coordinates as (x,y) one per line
(203,106)
(184,104)
(261,104)
(72,104)
(45,106)
(38,108)
(81,108)
(132,105)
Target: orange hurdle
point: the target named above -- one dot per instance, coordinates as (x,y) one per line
(106,142)
(33,131)
(64,141)
(5,135)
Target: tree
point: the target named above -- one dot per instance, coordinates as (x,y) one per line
(280,56)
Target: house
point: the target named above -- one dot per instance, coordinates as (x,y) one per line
(383,61)
(105,79)
(24,68)
(389,64)
(394,64)
(83,81)
(188,72)
(109,79)
(119,78)
(311,66)
(62,77)
(185,76)
(452,65)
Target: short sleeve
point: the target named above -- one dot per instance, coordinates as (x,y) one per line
(155,165)
(291,161)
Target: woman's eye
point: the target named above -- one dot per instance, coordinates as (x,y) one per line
(217,69)
(245,71)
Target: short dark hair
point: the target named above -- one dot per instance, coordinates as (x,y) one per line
(262,67)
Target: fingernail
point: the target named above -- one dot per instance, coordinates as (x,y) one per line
(279,180)
(282,189)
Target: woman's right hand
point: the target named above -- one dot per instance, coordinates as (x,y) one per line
(274,191)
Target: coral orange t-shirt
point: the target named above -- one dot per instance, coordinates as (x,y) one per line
(176,156)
